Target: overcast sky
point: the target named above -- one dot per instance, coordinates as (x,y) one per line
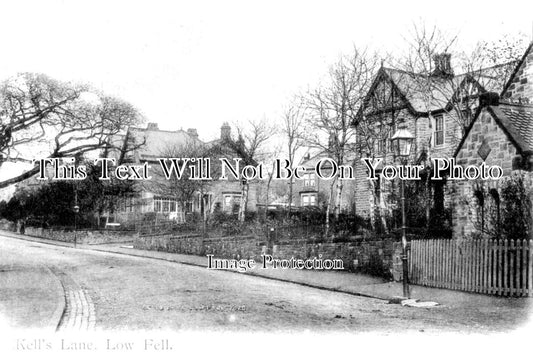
(198,64)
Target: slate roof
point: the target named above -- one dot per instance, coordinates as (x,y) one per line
(516,120)
(415,88)
(156,142)
(425,94)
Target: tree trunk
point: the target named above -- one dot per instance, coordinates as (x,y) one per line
(291,182)
(244,200)
(382,210)
(328,208)
(267,195)
(338,198)
(377,209)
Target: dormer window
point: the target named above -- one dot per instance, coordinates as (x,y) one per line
(439,130)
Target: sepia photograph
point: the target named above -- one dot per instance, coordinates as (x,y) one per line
(214,177)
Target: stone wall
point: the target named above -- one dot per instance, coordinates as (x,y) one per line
(89,237)
(224,247)
(378,257)
(502,154)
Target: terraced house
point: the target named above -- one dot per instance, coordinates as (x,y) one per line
(435,107)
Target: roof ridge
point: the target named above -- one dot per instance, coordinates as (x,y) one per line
(402,71)
(455,75)
(158,130)
(491,67)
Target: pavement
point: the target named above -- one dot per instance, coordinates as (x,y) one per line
(337,281)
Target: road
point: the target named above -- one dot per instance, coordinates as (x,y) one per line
(106,291)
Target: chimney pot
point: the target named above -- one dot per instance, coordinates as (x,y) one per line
(443,65)
(225,131)
(193,133)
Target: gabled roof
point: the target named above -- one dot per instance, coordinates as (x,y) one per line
(516,70)
(312,160)
(423,94)
(157,142)
(516,121)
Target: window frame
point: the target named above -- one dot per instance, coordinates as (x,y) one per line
(309,199)
(309,180)
(234,200)
(441,131)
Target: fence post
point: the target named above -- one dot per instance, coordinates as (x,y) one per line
(530,268)
(523,268)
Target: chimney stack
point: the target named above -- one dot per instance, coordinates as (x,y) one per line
(152,126)
(443,65)
(225,131)
(193,133)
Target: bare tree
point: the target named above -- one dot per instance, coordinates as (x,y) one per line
(375,124)
(294,131)
(331,109)
(58,119)
(425,81)
(182,188)
(250,147)
(432,78)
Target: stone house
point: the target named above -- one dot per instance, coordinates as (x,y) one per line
(312,191)
(435,108)
(501,134)
(146,145)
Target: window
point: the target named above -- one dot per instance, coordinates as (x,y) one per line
(165,205)
(125,205)
(382,143)
(157,205)
(309,180)
(392,130)
(439,130)
(309,200)
(232,202)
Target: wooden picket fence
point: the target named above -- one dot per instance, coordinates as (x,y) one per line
(498,267)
